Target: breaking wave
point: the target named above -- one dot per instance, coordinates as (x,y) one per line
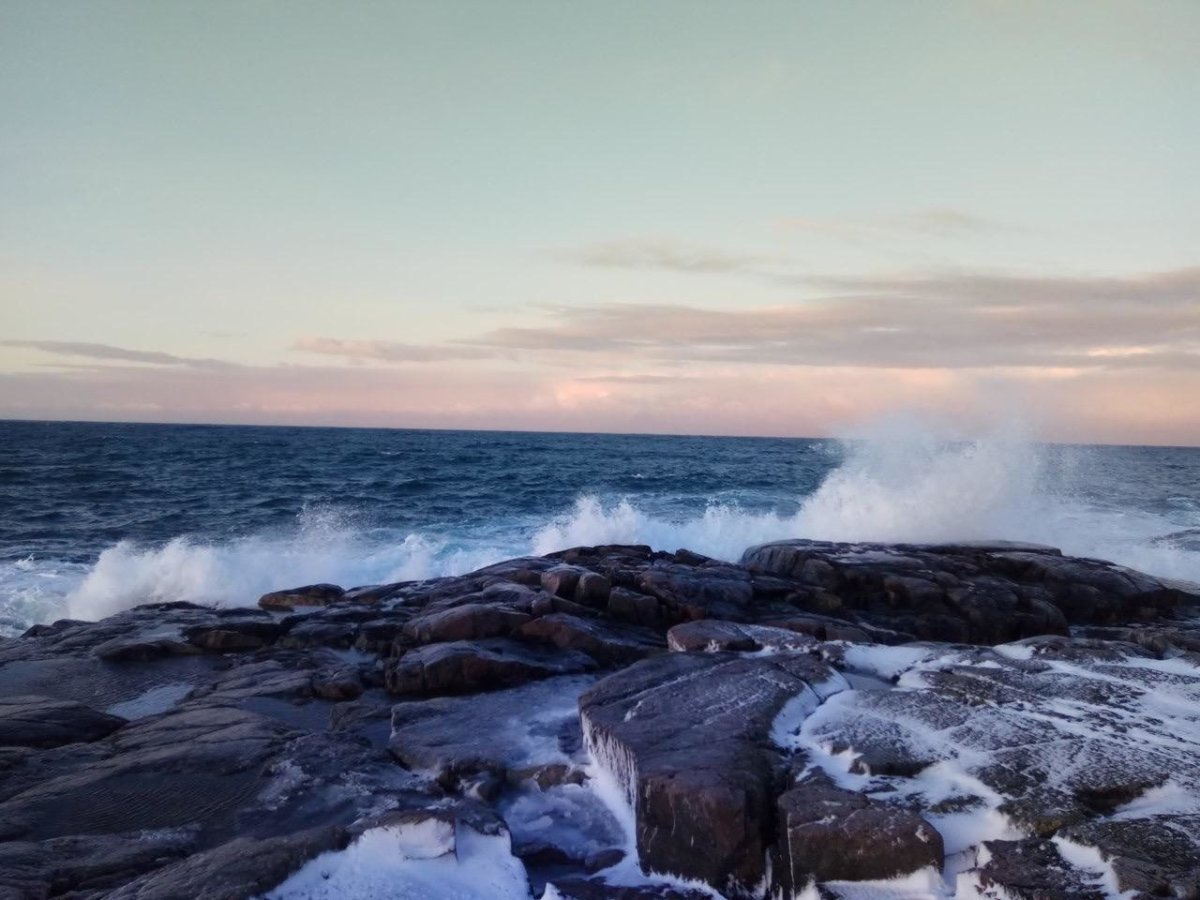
(899,482)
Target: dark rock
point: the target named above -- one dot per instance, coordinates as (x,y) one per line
(593,590)
(561,581)
(269,678)
(715,635)
(464,666)
(239,728)
(1033,869)
(85,863)
(983,593)
(456,736)
(1158,856)
(318,633)
(830,834)
(688,737)
(471,621)
(378,635)
(243,631)
(144,645)
(337,684)
(598,889)
(32,721)
(718,592)
(244,867)
(193,766)
(309,595)
(631,606)
(606,642)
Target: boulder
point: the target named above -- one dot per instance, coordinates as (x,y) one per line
(85,863)
(309,595)
(718,592)
(689,738)
(243,867)
(1031,869)
(32,721)
(830,834)
(713,635)
(471,621)
(341,683)
(608,643)
(464,666)
(1158,855)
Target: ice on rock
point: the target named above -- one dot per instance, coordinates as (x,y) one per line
(882,661)
(431,859)
(568,817)
(152,701)
(1020,741)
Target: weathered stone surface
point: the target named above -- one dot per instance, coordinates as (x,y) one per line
(471,621)
(32,721)
(1033,869)
(561,581)
(309,595)
(238,724)
(337,684)
(718,592)
(244,867)
(593,589)
(606,642)
(713,635)
(85,863)
(242,630)
(1158,855)
(139,646)
(631,606)
(830,834)
(688,736)
(269,678)
(984,593)
(192,766)
(456,736)
(598,889)
(464,666)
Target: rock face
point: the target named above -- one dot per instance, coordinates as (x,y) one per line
(818,717)
(977,593)
(688,738)
(827,833)
(33,721)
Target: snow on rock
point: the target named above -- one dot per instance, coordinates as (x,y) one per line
(430,858)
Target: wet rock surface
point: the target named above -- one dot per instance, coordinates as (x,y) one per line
(980,720)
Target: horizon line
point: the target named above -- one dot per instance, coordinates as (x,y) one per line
(481,430)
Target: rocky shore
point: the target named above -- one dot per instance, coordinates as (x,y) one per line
(835,720)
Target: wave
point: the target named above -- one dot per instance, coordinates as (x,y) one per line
(900,482)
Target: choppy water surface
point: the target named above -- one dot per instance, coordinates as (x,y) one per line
(98,517)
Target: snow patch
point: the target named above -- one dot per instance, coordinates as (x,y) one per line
(427,860)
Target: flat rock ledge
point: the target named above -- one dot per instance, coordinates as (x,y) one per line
(987,720)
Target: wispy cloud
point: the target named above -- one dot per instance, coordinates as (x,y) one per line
(108,352)
(359,351)
(662,253)
(634,379)
(676,255)
(948,320)
(923,223)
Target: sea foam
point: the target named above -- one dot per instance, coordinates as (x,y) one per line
(898,481)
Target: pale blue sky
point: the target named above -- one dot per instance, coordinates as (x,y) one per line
(445,213)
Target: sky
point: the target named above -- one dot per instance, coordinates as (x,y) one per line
(777,218)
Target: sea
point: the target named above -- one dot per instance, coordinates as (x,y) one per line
(96,518)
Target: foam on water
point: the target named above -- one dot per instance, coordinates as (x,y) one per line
(915,484)
(898,481)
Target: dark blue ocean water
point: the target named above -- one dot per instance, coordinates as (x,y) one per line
(97,517)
